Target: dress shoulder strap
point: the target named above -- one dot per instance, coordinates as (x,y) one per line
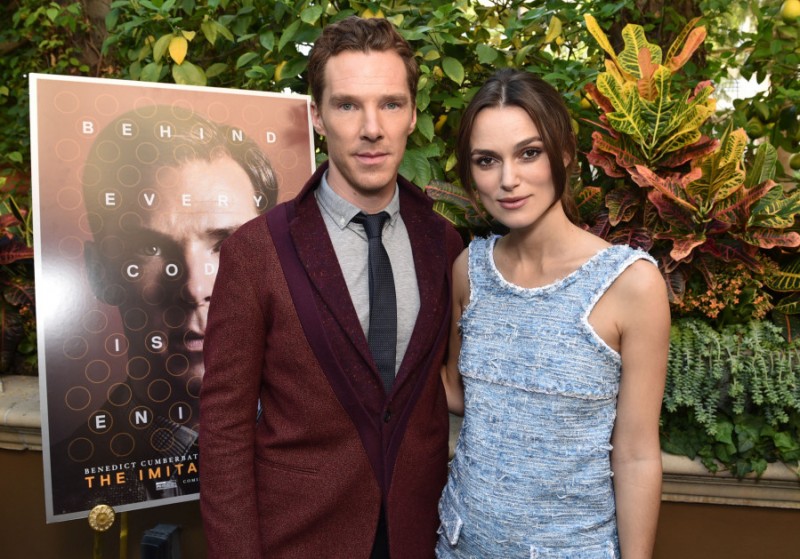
(480,265)
(606,269)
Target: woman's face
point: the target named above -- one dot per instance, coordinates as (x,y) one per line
(510,168)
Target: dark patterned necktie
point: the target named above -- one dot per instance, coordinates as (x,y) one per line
(382,336)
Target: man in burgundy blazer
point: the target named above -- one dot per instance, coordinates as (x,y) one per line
(335,467)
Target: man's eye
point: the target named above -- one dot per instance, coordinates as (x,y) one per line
(346,106)
(150,250)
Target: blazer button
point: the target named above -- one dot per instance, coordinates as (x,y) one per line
(387,416)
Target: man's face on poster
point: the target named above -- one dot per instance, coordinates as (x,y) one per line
(159,259)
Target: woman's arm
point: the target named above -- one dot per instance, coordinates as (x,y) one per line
(451,378)
(636,456)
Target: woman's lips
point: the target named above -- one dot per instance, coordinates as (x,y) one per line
(512,203)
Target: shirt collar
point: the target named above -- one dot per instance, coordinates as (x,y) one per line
(342,211)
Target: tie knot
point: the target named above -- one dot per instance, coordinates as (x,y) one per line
(373,223)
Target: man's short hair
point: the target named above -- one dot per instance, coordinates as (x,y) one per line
(360,35)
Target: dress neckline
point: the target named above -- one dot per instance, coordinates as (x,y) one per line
(542,289)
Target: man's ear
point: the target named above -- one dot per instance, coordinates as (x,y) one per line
(316,119)
(413,119)
(96,271)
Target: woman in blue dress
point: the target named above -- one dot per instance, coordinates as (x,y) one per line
(558,354)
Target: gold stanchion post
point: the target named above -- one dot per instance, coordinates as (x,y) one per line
(101,518)
(123,535)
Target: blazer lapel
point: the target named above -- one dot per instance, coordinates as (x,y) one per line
(426,234)
(315,251)
(427,238)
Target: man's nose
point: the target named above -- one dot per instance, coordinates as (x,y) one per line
(200,274)
(371,127)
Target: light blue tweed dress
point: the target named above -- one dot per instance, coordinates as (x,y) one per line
(531,476)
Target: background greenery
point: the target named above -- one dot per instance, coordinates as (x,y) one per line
(720,216)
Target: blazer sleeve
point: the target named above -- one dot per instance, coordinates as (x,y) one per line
(234,347)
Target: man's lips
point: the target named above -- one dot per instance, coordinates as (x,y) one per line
(192,341)
(372,157)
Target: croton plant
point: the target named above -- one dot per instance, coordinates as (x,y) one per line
(725,236)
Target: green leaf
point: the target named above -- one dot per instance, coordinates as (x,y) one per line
(294,68)
(486,54)
(311,15)
(777,212)
(453,69)
(602,39)
(787,278)
(288,34)
(724,431)
(425,125)
(112,17)
(423,98)
(450,213)
(432,54)
(224,31)
(784,442)
(209,30)
(246,59)
(188,74)
(763,167)
(161,45)
(625,99)
(267,40)
(789,304)
(216,69)
(451,162)
(151,72)
(415,167)
(589,200)
(635,40)
(622,205)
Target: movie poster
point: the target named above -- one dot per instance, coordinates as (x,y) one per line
(135,187)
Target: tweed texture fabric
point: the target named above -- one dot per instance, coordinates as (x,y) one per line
(531,476)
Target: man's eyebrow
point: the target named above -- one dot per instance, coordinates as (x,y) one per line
(149,234)
(216,233)
(221,233)
(342,98)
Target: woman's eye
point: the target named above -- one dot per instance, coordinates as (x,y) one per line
(531,153)
(484,161)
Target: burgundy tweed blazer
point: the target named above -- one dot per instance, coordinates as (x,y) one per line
(308,479)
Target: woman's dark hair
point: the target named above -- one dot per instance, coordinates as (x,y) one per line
(547,110)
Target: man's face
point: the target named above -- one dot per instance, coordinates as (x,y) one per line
(168,259)
(366,113)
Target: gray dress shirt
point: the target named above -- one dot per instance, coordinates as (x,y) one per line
(351,247)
